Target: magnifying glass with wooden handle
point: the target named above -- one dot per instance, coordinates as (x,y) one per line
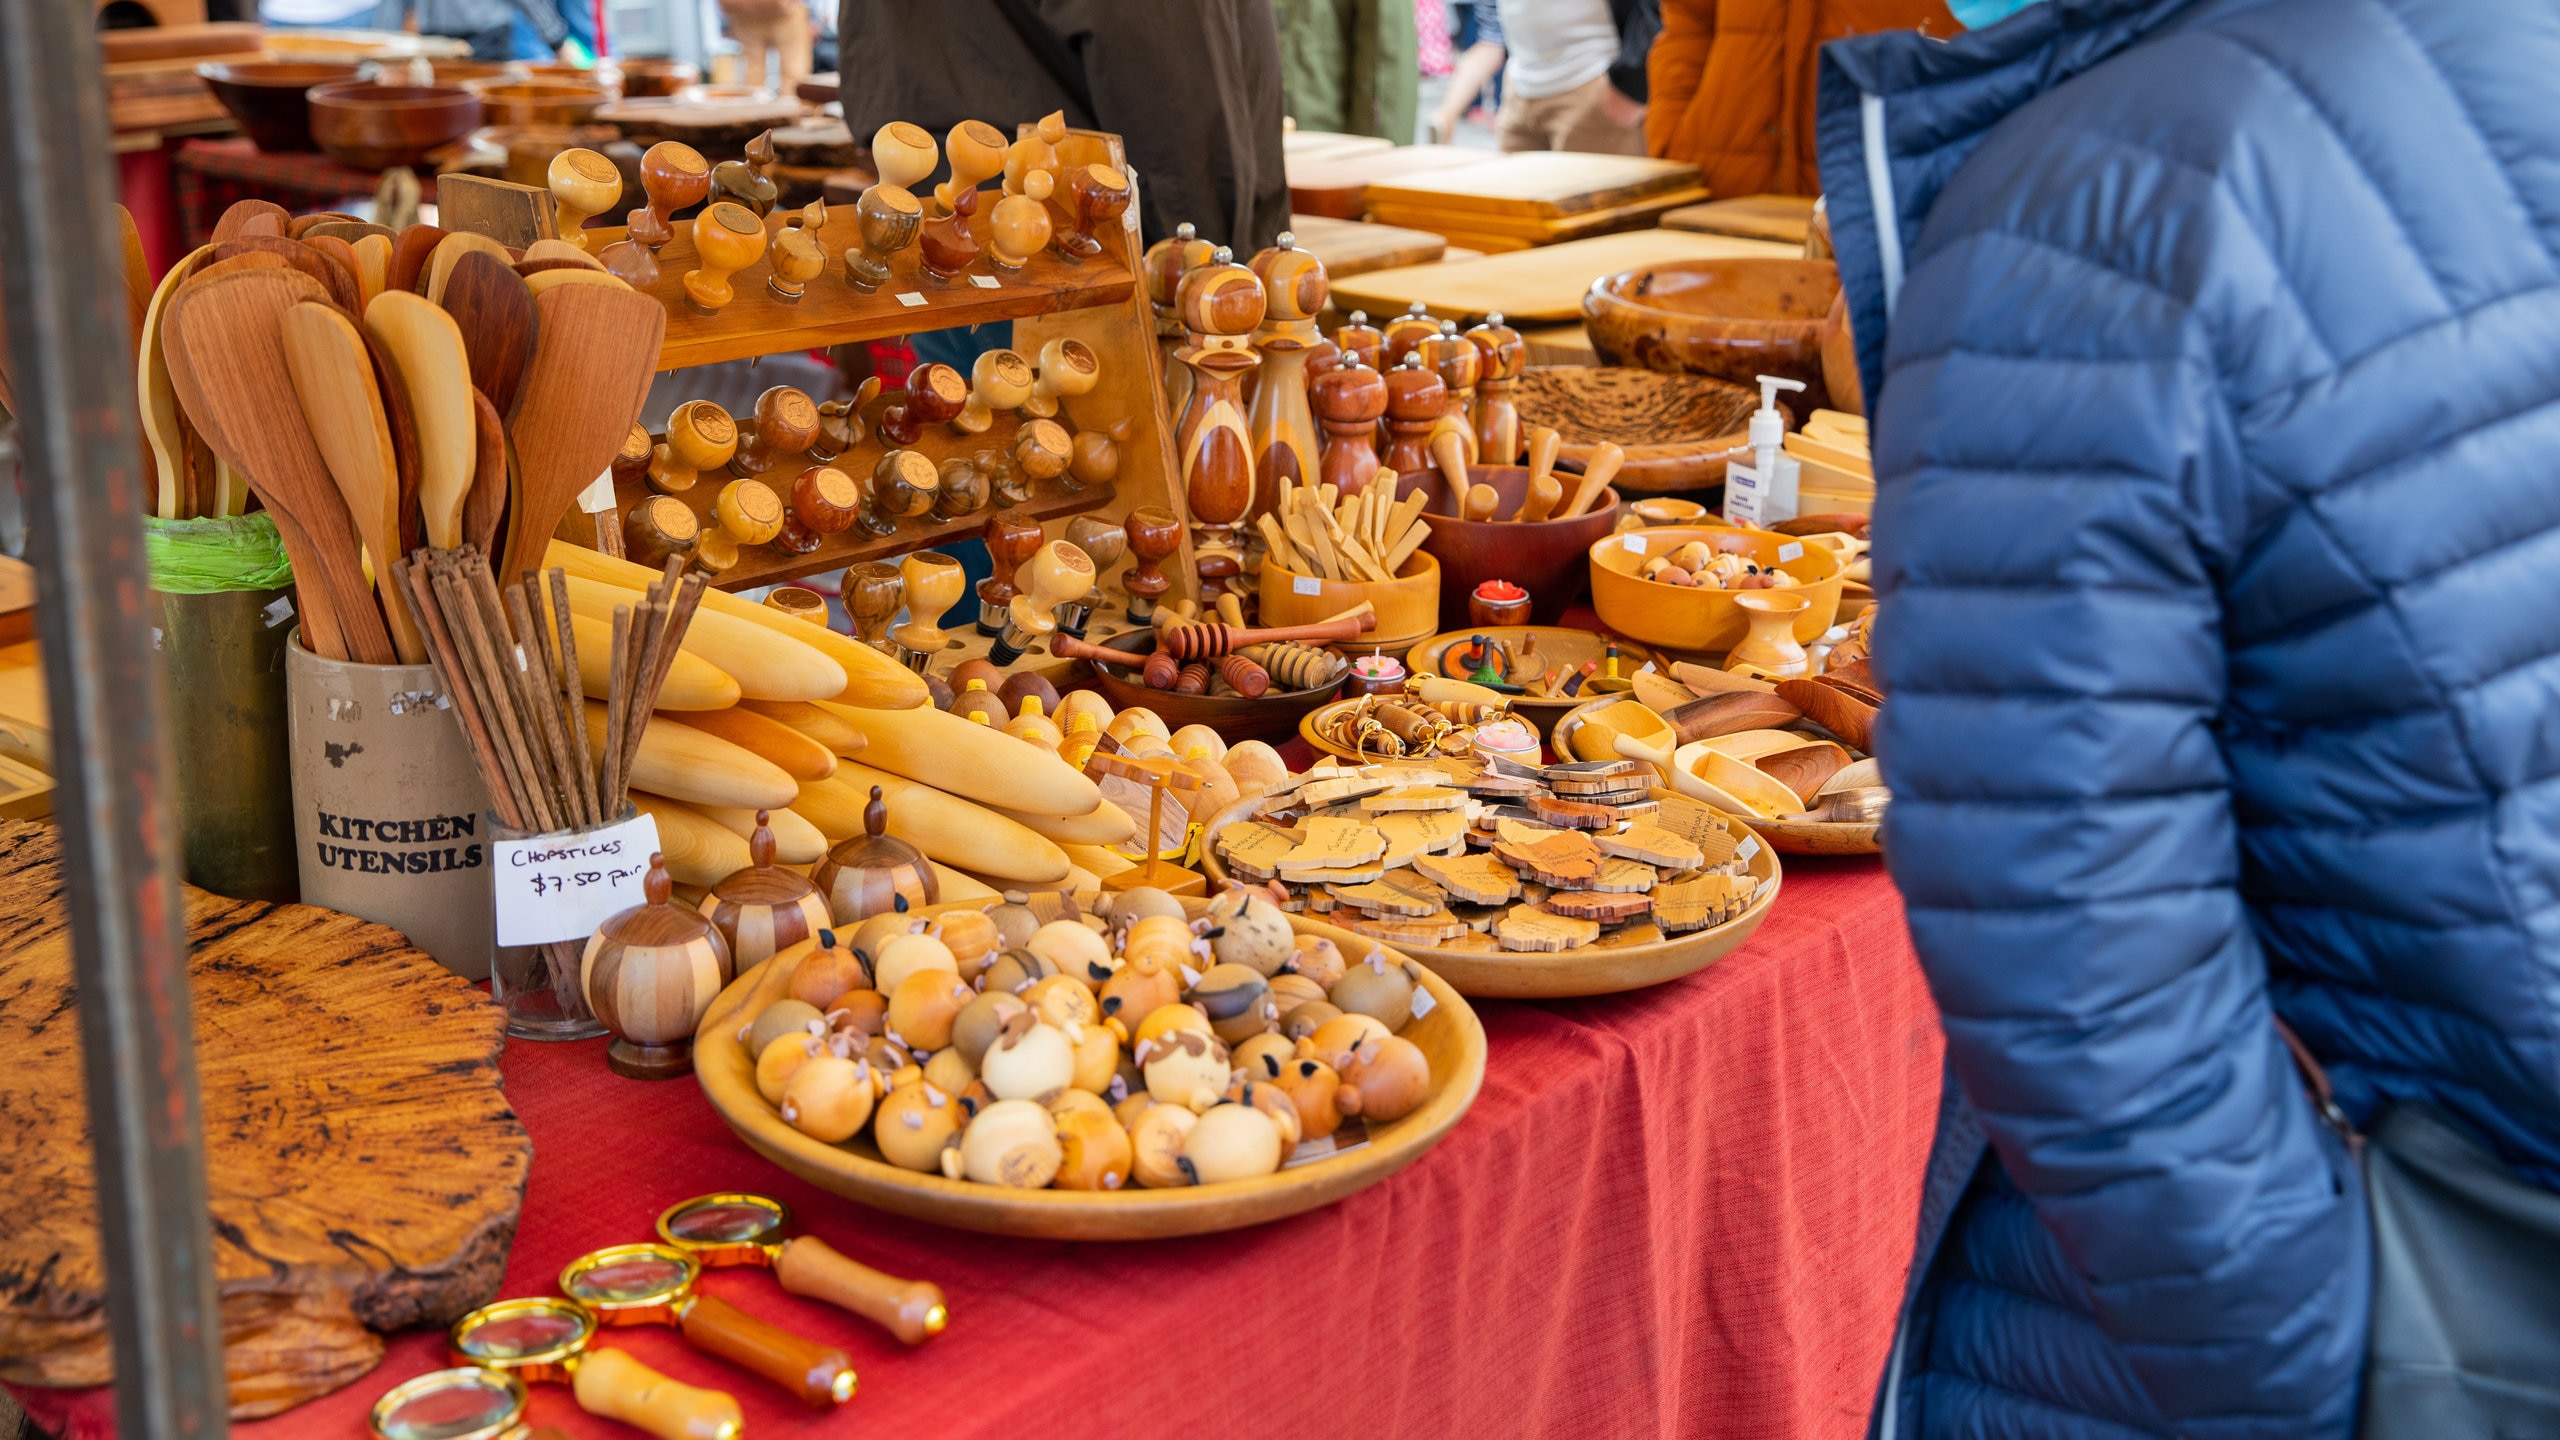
(545,1338)
(653,1285)
(734,1228)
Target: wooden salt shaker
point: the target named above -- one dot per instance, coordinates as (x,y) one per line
(649,974)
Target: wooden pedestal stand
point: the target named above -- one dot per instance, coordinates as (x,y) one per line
(1159,774)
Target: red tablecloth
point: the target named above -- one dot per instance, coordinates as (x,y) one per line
(1681,1212)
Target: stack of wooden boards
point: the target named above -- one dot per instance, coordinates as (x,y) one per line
(1520,201)
(1836,477)
(1783,218)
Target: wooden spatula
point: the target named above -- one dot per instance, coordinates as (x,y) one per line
(487,504)
(490,304)
(410,251)
(228,336)
(373,266)
(436,374)
(269,217)
(333,376)
(137,272)
(458,244)
(161,426)
(590,376)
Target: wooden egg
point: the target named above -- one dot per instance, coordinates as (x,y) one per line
(1376,989)
(1255,766)
(1231,1142)
(780,1058)
(1316,958)
(1345,1033)
(981,1021)
(764,908)
(1274,1104)
(1159,942)
(829,1098)
(949,1071)
(1155,1146)
(1135,721)
(875,873)
(649,973)
(1246,929)
(904,955)
(923,1006)
(976,669)
(1310,1085)
(783,1017)
(1097,1053)
(1385,1079)
(1185,1067)
(915,1121)
(971,938)
(1309,1018)
(1094,1151)
(1016,971)
(1012,1143)
(826,973)
(1289,991)
(859,1012)
(1028,1059)
(1237,1001)
(1261,1056)
(1072,950)
(1165,1019)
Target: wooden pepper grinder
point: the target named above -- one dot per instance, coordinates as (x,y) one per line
(902,487)
(1283,430)
(934,394)
(786,421)
(948,245)
(1359,340)
(1055,574)
(888,219)
(659,529)
(700,436)
(1504,355)
(585,184)
(962,488)
(749,182)
(1000,380)
(824,500)
(934,584)
(1103,543)
(873,591)
(1349,399)
(749,513)
(976,151)
(1154,534)
(1020,226)
(1404,334)
(1010,537)
(649,974)
(1460,365)
(874,873)
(1222,302)
(1165,264)
(728,238)
(1068,368)
(764,909)
(1416,399)
(673,175)
(1097,196)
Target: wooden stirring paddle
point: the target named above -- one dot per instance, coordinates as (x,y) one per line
(487,503)
(590,377)
(436,373)
(491,306)
(333,375)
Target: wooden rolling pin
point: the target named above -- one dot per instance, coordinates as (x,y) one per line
(1606,457)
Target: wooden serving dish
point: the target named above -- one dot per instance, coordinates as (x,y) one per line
(267,98)
(1674,428)
(1273,716)
(374,127)
(1450,1036)
(1788,837)
(1731,319)
(1560,645)
(1408,606)
(525,103)
(1527,975)
(1543,557)
(1698,620)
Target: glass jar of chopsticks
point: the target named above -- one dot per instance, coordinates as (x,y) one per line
(538,986)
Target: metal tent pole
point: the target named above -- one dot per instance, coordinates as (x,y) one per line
(72,365)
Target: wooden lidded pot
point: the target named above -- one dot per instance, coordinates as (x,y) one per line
(650,973)
(764,908)
(874,873)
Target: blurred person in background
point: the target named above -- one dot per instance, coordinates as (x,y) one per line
(1476,74)
(1349,66)
(1733,84)
(1573,73)
(774,39)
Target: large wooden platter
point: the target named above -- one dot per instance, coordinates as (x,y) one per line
(1450,1036)
(1336,183)
(1530,287)
(1676,429)
(1536,184)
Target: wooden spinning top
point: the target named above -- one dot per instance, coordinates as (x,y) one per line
(764,908)
(874,873)
(1166,262)
(1294,287)
(649,973)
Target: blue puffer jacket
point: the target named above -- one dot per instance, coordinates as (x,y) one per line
(2218,535)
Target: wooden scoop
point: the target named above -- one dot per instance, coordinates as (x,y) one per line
(591,370)
(227,337)
(427,347)
(333,375)
(1606,457)
(491,306)
(487,504)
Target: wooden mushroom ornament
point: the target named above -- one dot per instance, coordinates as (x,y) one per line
(649,973)
(764,908)
(873,873)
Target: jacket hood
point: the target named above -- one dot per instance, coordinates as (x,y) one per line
(1898,113)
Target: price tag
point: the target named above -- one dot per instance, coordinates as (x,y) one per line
(986,282)
(910,298)
(1305,585)
(1743,852)
(1792,550)
(278,611)
(598,496)
(561,887)
(1632,543)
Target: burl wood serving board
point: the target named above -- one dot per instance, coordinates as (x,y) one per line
(365,1171)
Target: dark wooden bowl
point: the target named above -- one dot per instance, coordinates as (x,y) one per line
(1546,558)
(374,127)
(524,104)
(1674,428)
(474,72)
(1274,717)
(642,78)
(1732,319)
(266,97)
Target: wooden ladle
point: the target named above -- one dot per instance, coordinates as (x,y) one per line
(333,375)
(591,370)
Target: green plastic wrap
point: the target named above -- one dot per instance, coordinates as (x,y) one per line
(214,557)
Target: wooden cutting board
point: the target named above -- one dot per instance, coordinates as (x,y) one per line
(1783,218)
(1641,213)
(1336,183)
(1351,247)
(364,1168)
(1308,144)
(1547,183)
(1541,286)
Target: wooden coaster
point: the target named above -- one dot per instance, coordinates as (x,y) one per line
(1525,927)
(1476,879)
(1491,786)
(1572,814)
(1479,918)
(1344,787)
(1697,904)
(1566,859)
(1416,797)
(1411,836)
(1653,845)
(1398,892)
(1697,823)
(1253,850)
(1643,932)
(1426,931)
(1624,877)
(1593,905)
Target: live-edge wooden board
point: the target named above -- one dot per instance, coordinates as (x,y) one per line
(1753,217)
(1544,285)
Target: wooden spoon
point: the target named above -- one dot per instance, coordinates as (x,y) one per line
(491,306)
(543,282)
(410,250)
(341,284)
(404,439)
(227,335)
(449,254)
(427,347)
(138,290)
(333,376)
(162,426)
(590,376)
(373,266)
(487,503)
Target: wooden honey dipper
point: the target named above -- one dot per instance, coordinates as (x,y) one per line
(1208,639)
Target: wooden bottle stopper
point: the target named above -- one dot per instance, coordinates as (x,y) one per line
(1000,380)
(786,422)
(1041,449)
(902,487)
(1460,365)
(1505,356)
(888,219)
(610,1383)
(948,244)
(902,154)
(1010,538)
(1103,543)
(840,426)
(1154,533)
(1097,196)
(658,528)
(912,1310)
(824,500)
(1055,574)
(872,873)
(934,584)
(976,151)
(630,262)
(749,513)
(764,908)
(1360,340)
(1067,368)
(631,462)
(673,175)
(585,184)
(962,489)
(728,237)
(1035,152)
(1348,402)
(934,393)
(1093,456)
(873,592)
(1020,227)
(1404,335)
(749,182)
(797,258)
(649,973)
(1416,399)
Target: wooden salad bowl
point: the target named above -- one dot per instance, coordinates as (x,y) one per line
(1450,1036)
(1732,319)
(374,127)
(1274,716)
(267,97)
(1695,620)
(1675,429)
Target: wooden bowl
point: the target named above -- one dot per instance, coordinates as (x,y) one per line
(1450,1036)
(1544,558)
(267,97)
(643,78)
(1818,837)
(1272,717)
(473,72)
(1572,720)
(1561,646)
(1699,621)
(1732,319)
(1408,606)
(374,127)
(523,104)
(1674,428)
(1526,975)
